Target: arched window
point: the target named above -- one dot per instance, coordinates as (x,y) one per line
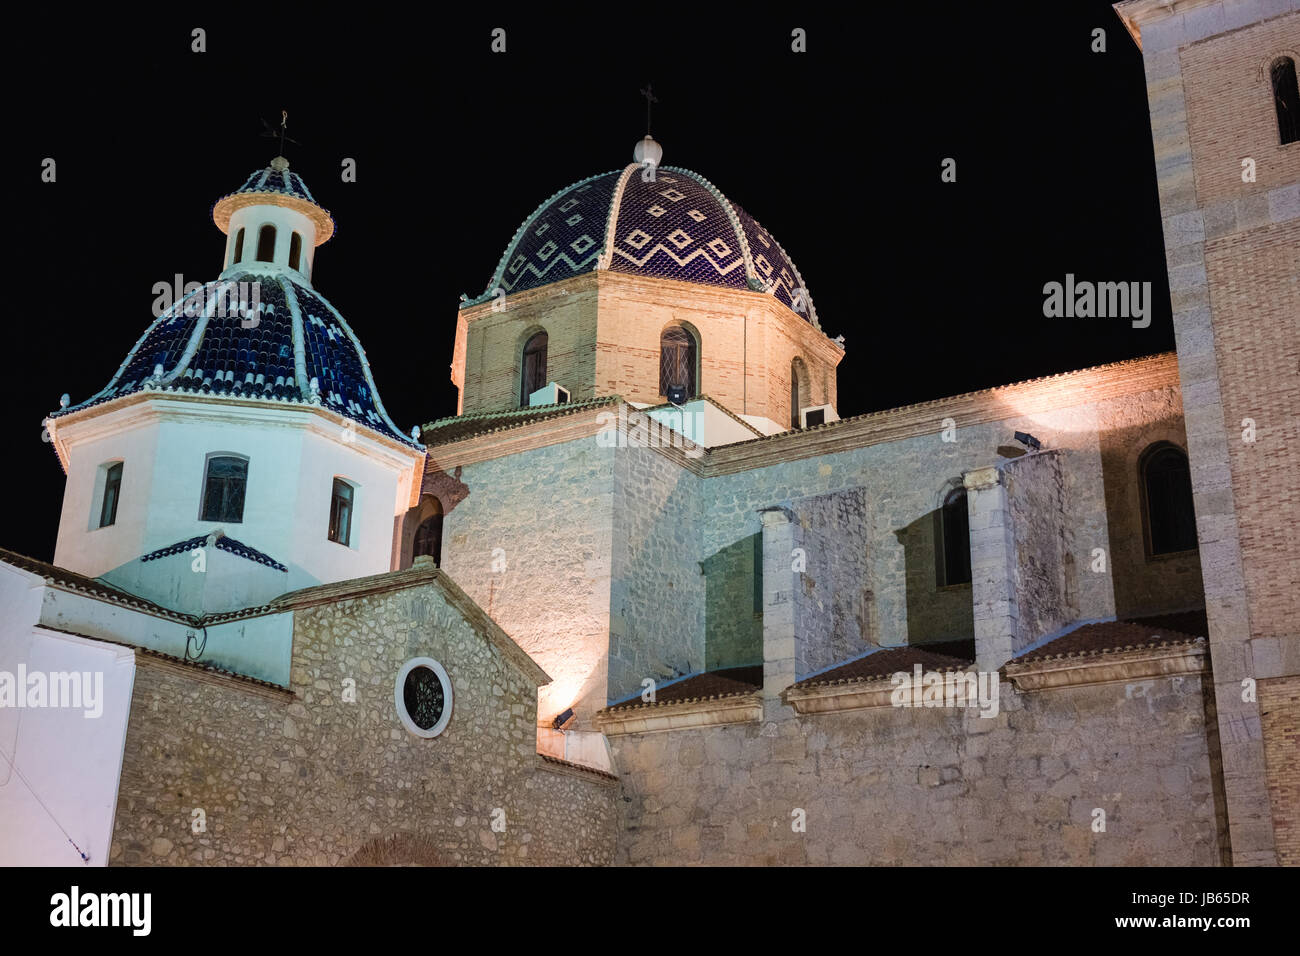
(1286,99)
(677,360)
(1167,500)
(341,512)
(266,244)
(239,246)
(794,395)
(428,536)
(953,551)
(223,489)
(295,250)
(112,490)
(534,367)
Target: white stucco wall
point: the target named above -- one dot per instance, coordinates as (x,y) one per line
(293,455)
(67,763)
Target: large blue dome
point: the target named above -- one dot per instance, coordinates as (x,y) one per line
(676,226)
(296,349)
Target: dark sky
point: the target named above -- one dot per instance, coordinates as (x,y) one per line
(936,287)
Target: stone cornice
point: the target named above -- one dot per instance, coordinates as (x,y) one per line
(1035,396)
(195,671)
(832,698)
(653,718)
(1106,667)
(556,765)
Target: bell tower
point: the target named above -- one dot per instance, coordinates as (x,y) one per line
(1221,84)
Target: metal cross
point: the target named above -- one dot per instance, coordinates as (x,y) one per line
(282,132)
(650,97)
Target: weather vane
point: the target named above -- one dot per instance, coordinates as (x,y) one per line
(282,132)
(650,97)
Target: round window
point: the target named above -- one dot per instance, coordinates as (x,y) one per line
(422,694)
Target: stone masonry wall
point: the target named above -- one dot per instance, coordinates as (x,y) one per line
(833,604)
(1035,509)
(658,590)
(550,512)
(1143,584)
(313,779)
(934,786)
(904,482)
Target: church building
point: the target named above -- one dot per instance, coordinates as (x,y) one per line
(646,598)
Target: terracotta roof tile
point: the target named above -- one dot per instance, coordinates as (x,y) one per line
(467,426)
(728,682)
(887,661)
(1112,636)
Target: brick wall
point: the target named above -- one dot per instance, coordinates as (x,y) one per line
(1279,707)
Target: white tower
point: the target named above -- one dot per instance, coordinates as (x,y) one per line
(241,450)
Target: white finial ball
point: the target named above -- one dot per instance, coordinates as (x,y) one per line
(64,400)
(279,164)
(647,152)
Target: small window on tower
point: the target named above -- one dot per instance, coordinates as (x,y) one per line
(341,512)
(295,250)
(112,489)
(266,244)
(677,356)
(239,247)
(534,367)
(954,540)
(1167,500)
(1286,99)
(428,537)
(223,489)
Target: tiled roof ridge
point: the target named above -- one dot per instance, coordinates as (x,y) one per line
(82,583)
(880,413)
(200,665)
(638,704)
(712,401)
(751,274)
(97,588)
(941,663)
(365,368)
(569,764)
(515,418)
(1164,638)
(495,281)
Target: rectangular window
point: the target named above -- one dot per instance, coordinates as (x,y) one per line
(112,488)
(341,512)
(223,489)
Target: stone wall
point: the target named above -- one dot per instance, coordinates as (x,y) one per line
(934,786)
(659,591)
(1144,584)
(550,512)
(312,779)
(832,602)
(1042,568)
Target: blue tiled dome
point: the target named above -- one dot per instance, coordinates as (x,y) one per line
(275,185)
(296,349)
(678,226)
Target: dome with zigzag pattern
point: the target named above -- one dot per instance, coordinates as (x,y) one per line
(673,224)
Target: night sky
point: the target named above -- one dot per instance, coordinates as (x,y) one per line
(936,287)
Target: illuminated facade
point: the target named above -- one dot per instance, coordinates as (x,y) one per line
(646,598)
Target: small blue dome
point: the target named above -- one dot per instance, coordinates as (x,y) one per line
(676,226)
(295,348)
